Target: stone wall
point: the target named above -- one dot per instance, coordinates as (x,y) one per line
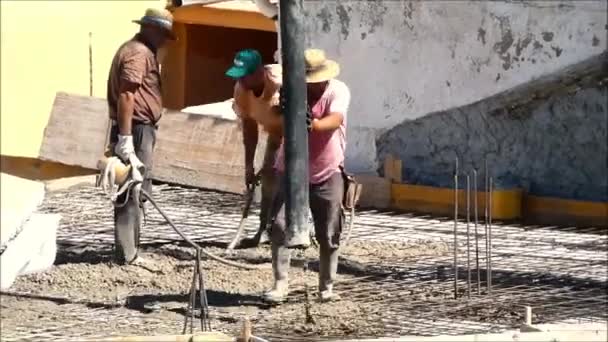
(406,59)
(555,145)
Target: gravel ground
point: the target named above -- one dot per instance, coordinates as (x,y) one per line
(86,280)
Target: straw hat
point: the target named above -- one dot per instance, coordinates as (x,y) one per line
(160,18)
(318,67)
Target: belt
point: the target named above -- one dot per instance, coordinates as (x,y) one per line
(114,123)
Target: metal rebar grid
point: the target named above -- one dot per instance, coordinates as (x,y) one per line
(559,271)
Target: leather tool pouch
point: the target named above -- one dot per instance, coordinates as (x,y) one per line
(352,191)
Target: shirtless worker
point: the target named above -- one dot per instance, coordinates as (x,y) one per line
(135,106)
(256,102)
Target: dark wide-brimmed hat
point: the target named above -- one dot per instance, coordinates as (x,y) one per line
(160,18)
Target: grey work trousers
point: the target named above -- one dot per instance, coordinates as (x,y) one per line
(269,182)
(325,201)
(128,219)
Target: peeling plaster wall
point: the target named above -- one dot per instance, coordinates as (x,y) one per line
(555,148)
(406,59)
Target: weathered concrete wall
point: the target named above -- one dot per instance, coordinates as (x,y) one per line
(551,147)
(406,59)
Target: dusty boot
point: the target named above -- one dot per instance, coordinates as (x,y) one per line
(328,268)
(278,293)
(262,237)
(281,258)
(328,295)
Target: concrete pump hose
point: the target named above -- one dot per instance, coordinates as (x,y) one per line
(195,245)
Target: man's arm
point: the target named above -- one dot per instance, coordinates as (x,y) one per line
(250,141)
(328,123)
(250,134)
(131,77)
(126,104)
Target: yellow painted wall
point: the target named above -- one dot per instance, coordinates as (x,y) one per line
(44,49)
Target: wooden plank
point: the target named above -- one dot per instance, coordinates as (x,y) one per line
(506,204)
(548,210)
(202,151)
(388,167)
(76,131)
(392,169)
(376,191)
(397,171)
(199,337)
(191,149)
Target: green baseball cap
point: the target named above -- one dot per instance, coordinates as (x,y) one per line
(246,62)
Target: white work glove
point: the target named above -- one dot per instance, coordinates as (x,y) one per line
(124,147)
(126,151)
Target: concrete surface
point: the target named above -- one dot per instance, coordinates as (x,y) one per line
(33,250)
(19,198)
(551,333)
(406,59)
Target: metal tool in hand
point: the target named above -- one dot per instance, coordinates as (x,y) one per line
(115,179)
(249,194)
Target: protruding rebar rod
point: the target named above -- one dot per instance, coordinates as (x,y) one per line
(456,229)
(528,315)
(205,320)
(486,197)
(476,233)
(490,238)
(468,236)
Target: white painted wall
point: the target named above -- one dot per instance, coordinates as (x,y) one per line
(405,59)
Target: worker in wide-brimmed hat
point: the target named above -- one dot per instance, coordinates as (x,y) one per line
(328,101)
(135,107)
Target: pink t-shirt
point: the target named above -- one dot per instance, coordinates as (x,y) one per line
(325,149)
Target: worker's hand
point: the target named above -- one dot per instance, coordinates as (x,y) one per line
(309,121)
(249,175)
(138,169)
(281,99)
(124,147)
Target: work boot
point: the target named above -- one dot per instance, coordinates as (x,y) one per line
(328,295)
(139,261)
(277,294)
(298,239)
(262,237)
(265,238)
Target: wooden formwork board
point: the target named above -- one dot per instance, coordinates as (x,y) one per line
(200,337)
(191,149)
(507,204)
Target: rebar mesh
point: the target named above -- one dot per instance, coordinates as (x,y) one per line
(560,271)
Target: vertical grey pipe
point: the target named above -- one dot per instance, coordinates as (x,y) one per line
(490,239)
(476,233)
(456,229)
(468,236)
(294,113)
(486,198)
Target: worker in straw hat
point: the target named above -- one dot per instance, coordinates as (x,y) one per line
(135,107)
(328,101)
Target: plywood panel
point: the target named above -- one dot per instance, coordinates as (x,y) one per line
(76,131)
(201,151)
(192,149)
